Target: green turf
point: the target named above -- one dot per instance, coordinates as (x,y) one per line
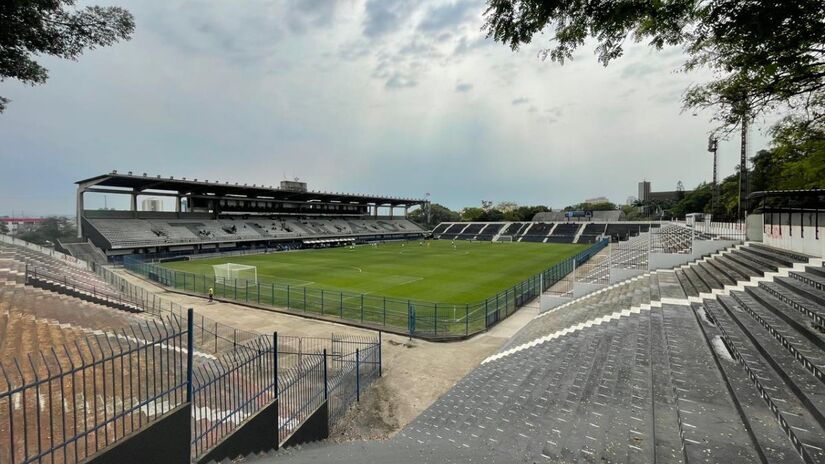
(437,272)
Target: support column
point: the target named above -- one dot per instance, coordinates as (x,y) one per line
(177,204)
(375,210)
(406,211)
(134,201)
(79,201)
(391,208)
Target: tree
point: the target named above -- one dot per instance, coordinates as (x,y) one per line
(506,206)
(50,230)
(438,214)
(32,28)
(4,228)
(602,206)
(763,55)
(472,214)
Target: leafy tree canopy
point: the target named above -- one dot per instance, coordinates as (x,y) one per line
(31,28)
(604,206)
(438,214)
(764,55)
(50,230)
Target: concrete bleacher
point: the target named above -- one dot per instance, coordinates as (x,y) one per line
(718,360)
(135,232)
(539,232)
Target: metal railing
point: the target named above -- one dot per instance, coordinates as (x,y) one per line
(229,389)
(209,335)
(69,402)
(413,317)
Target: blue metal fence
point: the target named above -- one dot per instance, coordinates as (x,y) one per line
(69,402)
(422,319)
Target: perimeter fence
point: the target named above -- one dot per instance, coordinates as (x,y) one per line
(416,318)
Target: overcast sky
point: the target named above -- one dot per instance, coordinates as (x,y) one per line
(397,97)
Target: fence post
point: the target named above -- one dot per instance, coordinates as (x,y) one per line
(190,349)
(385,311)
(326,390)
(466,319)
(357,375)
(435,320)
(275,356)
(322,301)
(287,296)
(362,307)
(379,353)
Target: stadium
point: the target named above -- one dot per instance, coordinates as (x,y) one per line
(627,340)
(516,314)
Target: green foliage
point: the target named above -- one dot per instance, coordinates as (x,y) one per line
(795,160)
(512,213)
(763,55)
(33,28)
(605,206)
(50,230)
(438,214)
(4,228)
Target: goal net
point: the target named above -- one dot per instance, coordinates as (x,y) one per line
(505,238)
(229,273)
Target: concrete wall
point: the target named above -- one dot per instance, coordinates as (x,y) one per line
(796,232)
(167,440)
(754,227)
(315,428)
(257,434)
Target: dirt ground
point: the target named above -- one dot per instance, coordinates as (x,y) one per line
(415,372)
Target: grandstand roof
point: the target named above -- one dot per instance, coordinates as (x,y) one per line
(145,182)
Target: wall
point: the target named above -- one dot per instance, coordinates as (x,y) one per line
(796,232)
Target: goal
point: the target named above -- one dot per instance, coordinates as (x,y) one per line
(230,273)
(505,238)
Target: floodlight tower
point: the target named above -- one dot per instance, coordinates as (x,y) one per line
(743,169)
(713,144)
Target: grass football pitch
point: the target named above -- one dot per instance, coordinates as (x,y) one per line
(433,271)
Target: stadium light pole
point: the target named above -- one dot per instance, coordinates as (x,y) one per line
(713,144)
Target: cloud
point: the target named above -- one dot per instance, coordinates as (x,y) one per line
(448,16)
(307,14)
(397,81)
(637,69)
(467,45)
(384,16)
(519,101)
(555,111)
(463,87)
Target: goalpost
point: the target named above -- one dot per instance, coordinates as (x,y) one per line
(229,273)
(505,238)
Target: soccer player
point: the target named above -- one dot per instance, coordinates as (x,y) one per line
(211,294)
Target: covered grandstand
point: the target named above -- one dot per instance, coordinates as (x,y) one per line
(221,216)
(540,231)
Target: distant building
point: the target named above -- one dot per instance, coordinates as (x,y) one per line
(645,194)
(18,225)
(293,185)
(644,190)
(151,204)
(597,200)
